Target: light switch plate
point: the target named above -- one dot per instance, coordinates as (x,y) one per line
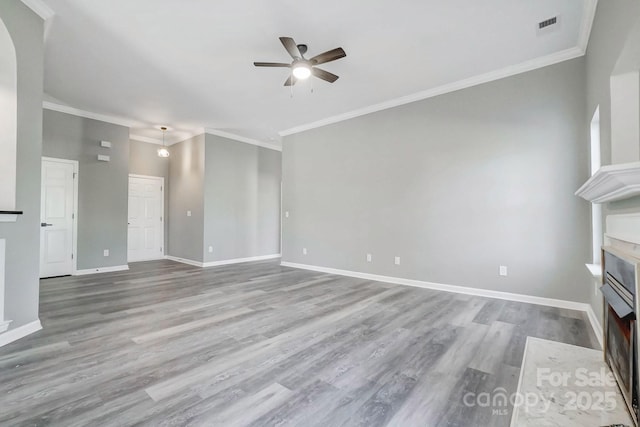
(105,144)
(397,260)
(103,158)
(106,252)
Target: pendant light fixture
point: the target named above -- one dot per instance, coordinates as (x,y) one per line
(163,152)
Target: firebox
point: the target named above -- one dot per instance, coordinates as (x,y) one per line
(620,291)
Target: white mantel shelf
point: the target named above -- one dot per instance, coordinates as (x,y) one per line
(611,183)
(9,216)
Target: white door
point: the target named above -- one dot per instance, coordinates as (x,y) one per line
(56,217)
(146,209)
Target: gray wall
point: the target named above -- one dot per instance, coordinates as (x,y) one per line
(612,25)
(186,192)
(144,160)
(455,185)
(23,236)
(102,186)
(241,200)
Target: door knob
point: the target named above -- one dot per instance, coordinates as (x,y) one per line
(44,224)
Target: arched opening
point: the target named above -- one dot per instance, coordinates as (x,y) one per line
(8,120)
(8,142)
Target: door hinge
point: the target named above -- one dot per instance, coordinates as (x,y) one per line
(160,219)
(73,216)
(160,249)
(74,175)
(71,256)
(161,188)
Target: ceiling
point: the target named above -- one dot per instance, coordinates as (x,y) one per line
(188,64)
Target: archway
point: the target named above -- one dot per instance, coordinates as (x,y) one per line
(8,142)
(8,120)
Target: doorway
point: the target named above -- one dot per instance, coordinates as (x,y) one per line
(58,213)
(145,239)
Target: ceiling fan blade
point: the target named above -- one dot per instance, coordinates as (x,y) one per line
(324,75)
(291,81)
(291,47)
(271,64)
(328,56)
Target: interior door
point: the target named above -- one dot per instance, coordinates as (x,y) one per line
(146,230)
(56,218)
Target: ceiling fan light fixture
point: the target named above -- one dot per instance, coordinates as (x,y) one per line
(303,68)
(301,71)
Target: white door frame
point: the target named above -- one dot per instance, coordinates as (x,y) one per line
(164,219)
(76,178)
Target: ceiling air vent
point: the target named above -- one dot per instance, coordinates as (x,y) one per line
(547,22)
(550,25)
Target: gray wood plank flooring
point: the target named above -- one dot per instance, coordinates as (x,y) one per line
(258,344)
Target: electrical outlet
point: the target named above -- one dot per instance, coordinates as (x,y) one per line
(286,214)
(106,252)
(368,257)
(304,251)
(210,249)
(397,260)
(503,270)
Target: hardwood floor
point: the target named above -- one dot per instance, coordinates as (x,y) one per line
(259,344)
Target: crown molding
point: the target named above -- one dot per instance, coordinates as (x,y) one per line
(145,139)
(441,90)
(586,25)
(184,136)
(88,114)
(239,138)
(588,16)
(40,8)
(169,141)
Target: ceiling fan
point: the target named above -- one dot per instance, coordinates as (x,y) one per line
(302,68)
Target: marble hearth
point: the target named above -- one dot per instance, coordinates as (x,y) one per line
(564,385)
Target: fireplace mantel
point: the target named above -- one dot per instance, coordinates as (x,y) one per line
(9,216)
(613,182)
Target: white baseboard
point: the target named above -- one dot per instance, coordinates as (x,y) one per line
(147,259)
(550,302)
(20,332)
(101,270)
(4,325)
(184,261)
(595,324)
(240,260)
(223,262)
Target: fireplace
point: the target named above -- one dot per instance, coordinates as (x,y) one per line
(620,291)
